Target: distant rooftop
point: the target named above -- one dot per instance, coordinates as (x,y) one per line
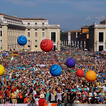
(74,31)
(85,27)
(33,19)
(12,17)
(103,21)
(17,18)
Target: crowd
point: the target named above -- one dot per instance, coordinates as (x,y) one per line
(27,78)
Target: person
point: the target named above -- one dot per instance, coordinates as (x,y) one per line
(101,99)
(47,95)
(36,100)
(26,99)
(52,97)
(65,98)
(21,77)
(59,96)
(1,96)
(14,97)
(72,97)
(42,100)
(20,97)
(59,103)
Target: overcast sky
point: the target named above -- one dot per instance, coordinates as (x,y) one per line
(70,14)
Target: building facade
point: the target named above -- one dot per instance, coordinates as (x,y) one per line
(10,29)
(35,30)
(97,37)
(64,38)
(91,38)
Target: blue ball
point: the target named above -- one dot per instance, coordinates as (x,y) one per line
(70,62)
(55,70)
(22,40)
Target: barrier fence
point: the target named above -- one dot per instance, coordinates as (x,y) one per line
(53,104)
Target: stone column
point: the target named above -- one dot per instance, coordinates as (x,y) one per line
(58,39)
(39,39)
(69,38)
(4,38)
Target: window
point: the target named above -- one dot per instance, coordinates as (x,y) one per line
(76,36)
(28,23)
(100,48)
(54,48)
(0,41)
(43,34)
(0,33)
(53,36)
(35,34)
(28,34)
(28,40)
(35,45)
(43,29)
(29,46)
(100,36)
(35,23)
(35,40)
(43,23)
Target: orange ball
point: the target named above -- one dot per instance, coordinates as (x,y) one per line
(90,75)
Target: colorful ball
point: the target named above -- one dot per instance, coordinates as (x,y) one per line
(90,75)
(46,45)
(70,62)
(22,40)
(1,70)
(55,70)
(80,72)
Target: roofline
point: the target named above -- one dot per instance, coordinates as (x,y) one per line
(17,18)
(33,19)
(74,31)
(13,17)
(84,27)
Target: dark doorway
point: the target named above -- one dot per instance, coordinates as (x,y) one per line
(100,36)
(100,48)
(54,48)
(53,36)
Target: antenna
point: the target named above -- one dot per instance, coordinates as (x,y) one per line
(88,19)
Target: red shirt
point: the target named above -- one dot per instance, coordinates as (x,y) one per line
(26,100)
(1,94)
(14,89)
(42,102)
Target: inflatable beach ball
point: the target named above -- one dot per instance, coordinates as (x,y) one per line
(55,70)
(70,62)
(46,45)
(22,40)
(80,73)
(1,70)
(90,75)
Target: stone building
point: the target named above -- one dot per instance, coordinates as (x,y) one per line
(35,29)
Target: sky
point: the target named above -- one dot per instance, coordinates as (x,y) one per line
(69,14)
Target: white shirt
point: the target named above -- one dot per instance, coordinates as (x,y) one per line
(59,97)
(104,87)
(90,94)
(34,93)
(37,101)
(95,93)
(52,97)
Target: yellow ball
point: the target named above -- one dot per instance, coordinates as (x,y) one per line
(1,70)
(90,75)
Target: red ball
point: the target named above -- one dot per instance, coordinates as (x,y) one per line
(80,72)
(46,45)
